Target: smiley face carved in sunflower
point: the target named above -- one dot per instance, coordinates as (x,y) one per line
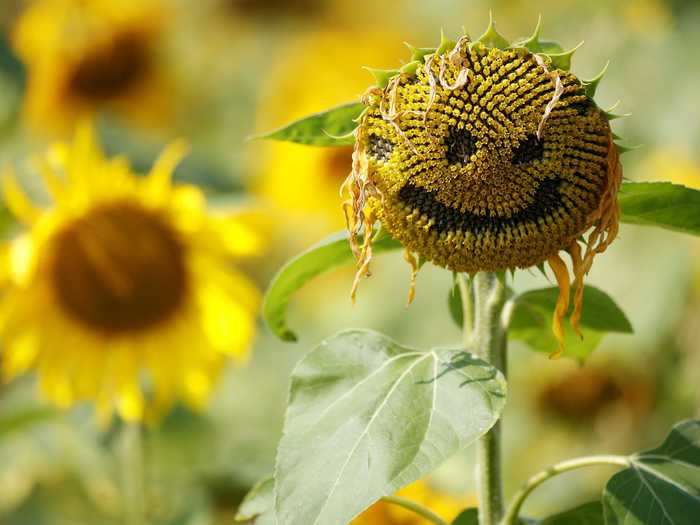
(469,184)
(487,156)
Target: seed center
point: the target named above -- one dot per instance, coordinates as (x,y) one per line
(120,269)
(111,70)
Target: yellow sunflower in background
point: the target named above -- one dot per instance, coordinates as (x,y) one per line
(122,292)
(84,56)
(303,182)
(444,505)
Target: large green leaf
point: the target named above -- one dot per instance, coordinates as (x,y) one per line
(258,505)
(328,128)
(662,486)
(662,204)
(367,416)
(532,321)
(332,252)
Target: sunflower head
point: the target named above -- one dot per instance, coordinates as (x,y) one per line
(88,56)
(122,291)
(487,156)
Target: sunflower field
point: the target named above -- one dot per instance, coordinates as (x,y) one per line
(349,262)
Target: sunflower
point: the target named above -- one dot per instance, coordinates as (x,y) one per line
(303,182)
(122,291)
(488,156)
(383,513)
(83,57)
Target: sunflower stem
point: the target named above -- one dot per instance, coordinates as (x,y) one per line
(488,339)
(132,474)
(511,517)
(416,508)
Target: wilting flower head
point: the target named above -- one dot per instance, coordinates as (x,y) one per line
(488,156)
(122,292)
(84,56)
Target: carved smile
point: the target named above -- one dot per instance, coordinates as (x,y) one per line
(546,201)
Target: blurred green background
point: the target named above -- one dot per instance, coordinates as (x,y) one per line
(236,67)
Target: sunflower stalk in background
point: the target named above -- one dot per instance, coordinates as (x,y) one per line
(480,156)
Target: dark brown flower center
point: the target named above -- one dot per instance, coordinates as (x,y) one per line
(118,270)
(111,70)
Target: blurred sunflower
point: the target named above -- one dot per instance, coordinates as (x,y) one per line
(82,57)
(122,292)
(445,506)
(303,182)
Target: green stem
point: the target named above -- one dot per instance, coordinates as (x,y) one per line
(489,343)
(132,475)
(416,508)
(511,517)
(465,292)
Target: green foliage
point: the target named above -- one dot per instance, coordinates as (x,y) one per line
(531,321)
(662,486)
(661,204)
(332,252)
(22,420)
(259,503)
(332,127)
(367,416)
(467,517)
(454,304)
(586,514)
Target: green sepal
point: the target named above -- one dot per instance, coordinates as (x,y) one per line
(445,44)
(624,149)
(492,38)
(614,116)
(419,53)
(532,43)
(542,270)
(382,76)
(411,68)
(563,60)
(591,85)
(359,118)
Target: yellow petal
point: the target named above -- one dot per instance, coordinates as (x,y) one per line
(17,201)
(237,236)
(562,306)
(159,179)
(130,403)
(20,353)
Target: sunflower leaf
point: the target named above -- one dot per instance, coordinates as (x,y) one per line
(258,505)
(587,514)
(531,321)
(330,253)
(368,416)
(333,127)
(661,204)
(661,485)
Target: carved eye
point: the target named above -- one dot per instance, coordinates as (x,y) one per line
(379,148)
(529,150)
(459,145)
